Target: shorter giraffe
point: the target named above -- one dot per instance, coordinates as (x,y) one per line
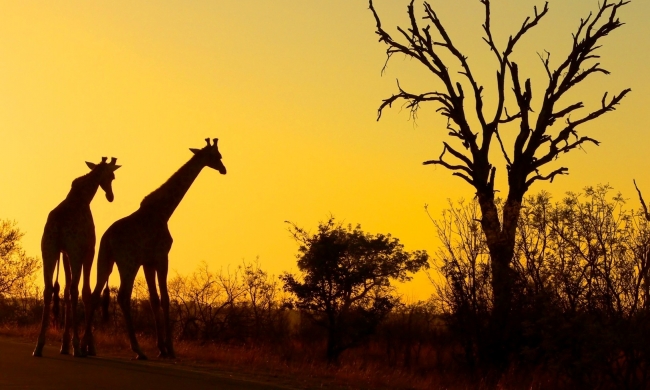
(70,231)
(143,239)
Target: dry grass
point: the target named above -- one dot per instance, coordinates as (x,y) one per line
(294,365)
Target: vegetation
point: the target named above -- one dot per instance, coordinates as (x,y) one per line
(581,279)
(17,274)
(581,275)
(347,274)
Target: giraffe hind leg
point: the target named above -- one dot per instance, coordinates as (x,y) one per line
(67,307)
(124,299)
(76,263)
(105,264)
(50,257)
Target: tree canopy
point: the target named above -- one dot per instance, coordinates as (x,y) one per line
(346,281)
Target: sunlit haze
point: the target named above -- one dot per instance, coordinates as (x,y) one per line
(291,89)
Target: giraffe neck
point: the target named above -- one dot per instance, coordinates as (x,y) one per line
(163,202)
(83,189)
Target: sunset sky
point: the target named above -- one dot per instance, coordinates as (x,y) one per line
(291,89)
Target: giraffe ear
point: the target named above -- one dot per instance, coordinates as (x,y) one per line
(115,167)
(195,151)
(91,165)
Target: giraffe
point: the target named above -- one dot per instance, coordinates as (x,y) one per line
(70,231)
(143,239)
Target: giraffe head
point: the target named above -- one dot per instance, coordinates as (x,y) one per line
(210,156)
(104,172)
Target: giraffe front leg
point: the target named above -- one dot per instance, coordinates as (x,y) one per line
(104,269)
(164,293)
(74,300)
(50,257)
(88,341)
(65,340)
(154,300)
(124,299)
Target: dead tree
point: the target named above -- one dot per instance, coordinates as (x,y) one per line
(540,139)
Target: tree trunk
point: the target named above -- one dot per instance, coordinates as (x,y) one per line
(500,237)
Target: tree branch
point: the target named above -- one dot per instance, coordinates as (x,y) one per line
(550,176)
(413,101)
(645,208)
(451,167)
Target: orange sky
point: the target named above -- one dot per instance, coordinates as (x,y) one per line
(291,90)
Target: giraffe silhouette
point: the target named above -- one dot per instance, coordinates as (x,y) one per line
(143,239)
(70,231)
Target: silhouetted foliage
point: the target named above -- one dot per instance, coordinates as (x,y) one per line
(580,292)
(541,137)
(17,270)
(346,285)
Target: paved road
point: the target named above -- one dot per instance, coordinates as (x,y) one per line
(19,370)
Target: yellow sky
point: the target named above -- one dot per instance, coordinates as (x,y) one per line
(291,90)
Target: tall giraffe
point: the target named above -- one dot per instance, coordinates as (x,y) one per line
(70,231)
(143,239)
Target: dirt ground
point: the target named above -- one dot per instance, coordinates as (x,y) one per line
(19,370)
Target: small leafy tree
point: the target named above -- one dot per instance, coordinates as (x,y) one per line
(346,285)
(16,268)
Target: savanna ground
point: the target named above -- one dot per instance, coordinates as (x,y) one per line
(248,363)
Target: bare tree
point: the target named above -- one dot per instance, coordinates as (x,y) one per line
(539,140)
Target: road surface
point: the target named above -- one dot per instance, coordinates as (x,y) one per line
(19,370)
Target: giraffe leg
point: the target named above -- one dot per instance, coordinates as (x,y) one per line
(164,294)
(87,347)
(65,341)
(150,277)
(50,257)
(104,268)
(124,299)
(75,268)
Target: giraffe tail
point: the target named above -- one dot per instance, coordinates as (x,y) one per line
(106,301)
(56,300)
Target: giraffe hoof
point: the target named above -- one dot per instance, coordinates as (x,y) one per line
(141,356)
(65,351)
(38,352)
(79,354)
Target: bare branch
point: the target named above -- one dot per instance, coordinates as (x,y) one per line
(549,177)
(645,208)
(451,167)
(503,149)
(503,59)
(509,118)
(564,112)
(413,101)
(569,130)
(448,44)
(585,42)
(605,107)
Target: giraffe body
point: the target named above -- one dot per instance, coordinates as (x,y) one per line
(70,231)
(143,239)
